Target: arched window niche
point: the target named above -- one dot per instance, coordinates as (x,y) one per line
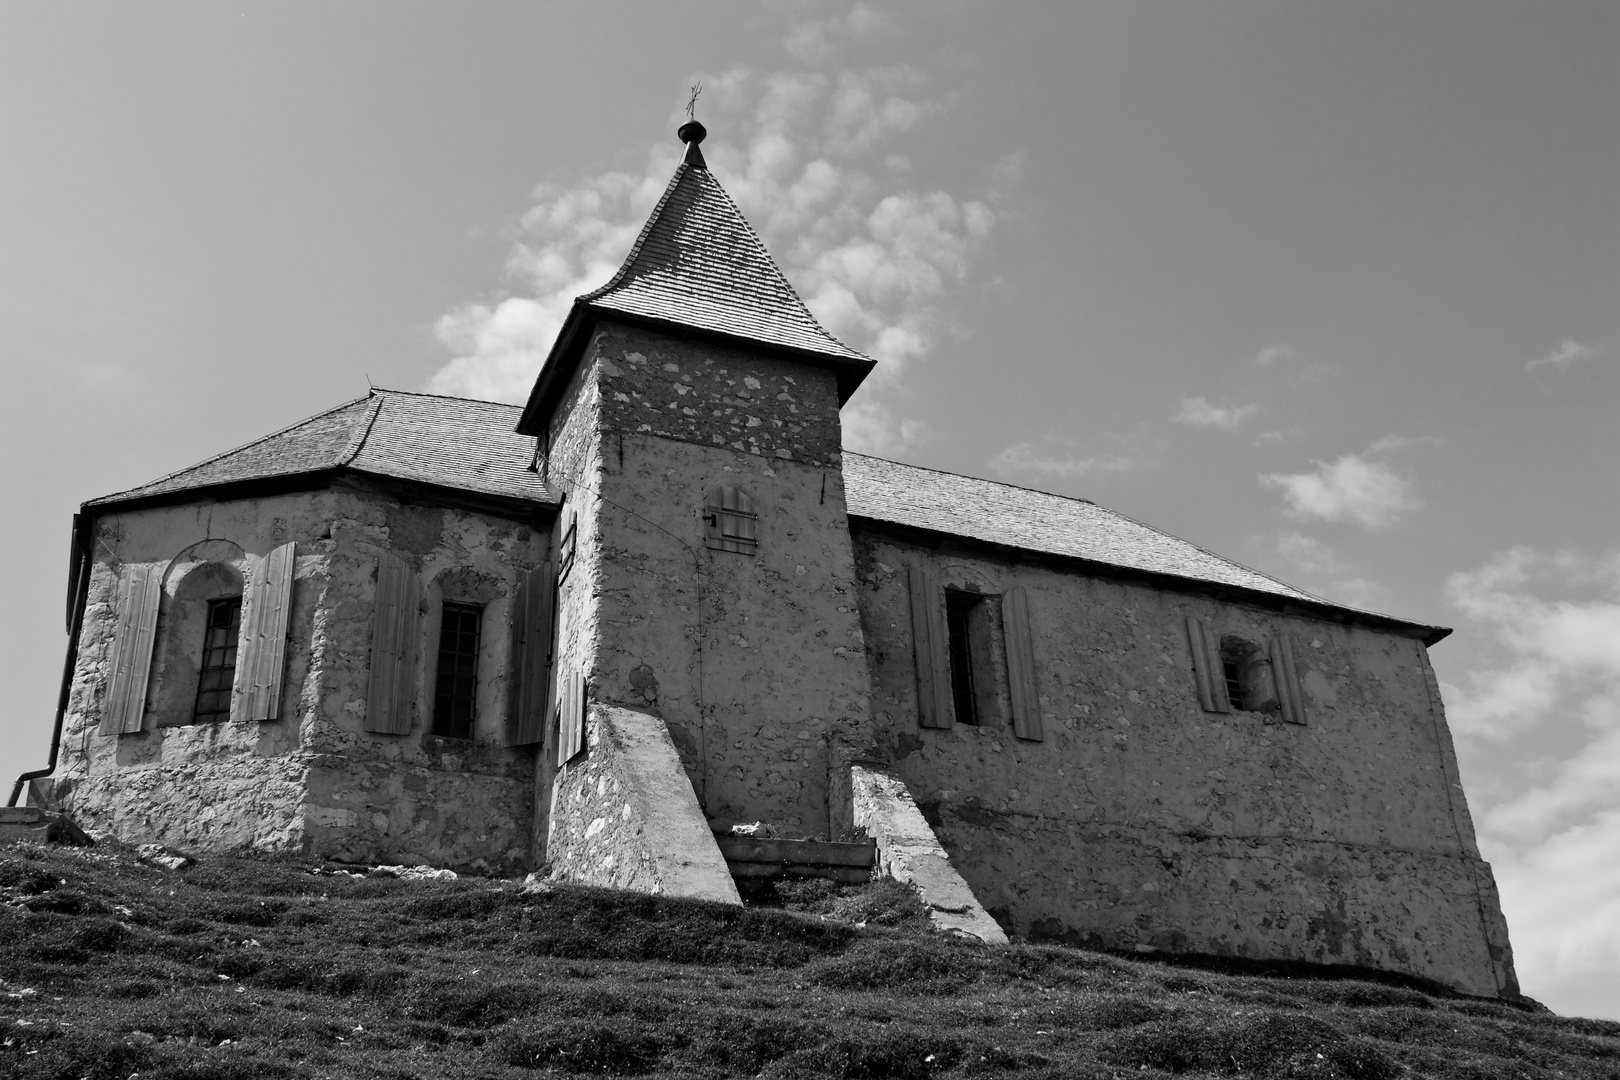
(205,579)
(1246,669)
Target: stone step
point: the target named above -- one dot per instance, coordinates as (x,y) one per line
(754,857)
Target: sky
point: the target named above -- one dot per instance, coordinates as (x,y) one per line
(1329,288)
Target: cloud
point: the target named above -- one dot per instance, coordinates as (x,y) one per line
(1355,487)
(1267,437)
(1058,457)
(1329,576)
(1273,354)
(820,40)
(1555,619)
(1565,356)
(814,161)
(1537,713)
(1201,412)
(1309,554)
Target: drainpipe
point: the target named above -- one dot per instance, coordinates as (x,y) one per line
(79,589)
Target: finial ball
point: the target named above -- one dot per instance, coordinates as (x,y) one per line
(691,132)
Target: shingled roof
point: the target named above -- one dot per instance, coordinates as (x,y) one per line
(443,441)
(698,265)
(1035,521)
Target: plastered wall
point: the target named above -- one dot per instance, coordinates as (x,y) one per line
(1141,822)
(314,779)
(756,663)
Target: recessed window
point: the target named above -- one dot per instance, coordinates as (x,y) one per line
(959,610)
(1247,670)
(220,632)
(456,688)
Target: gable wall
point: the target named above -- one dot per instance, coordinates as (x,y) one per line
(1142,822)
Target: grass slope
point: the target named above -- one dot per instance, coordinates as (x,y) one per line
(239,968)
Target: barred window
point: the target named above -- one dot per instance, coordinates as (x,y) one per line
(220,634)
(456,688)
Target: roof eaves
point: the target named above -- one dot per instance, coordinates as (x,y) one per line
(1309,604)
(135,491)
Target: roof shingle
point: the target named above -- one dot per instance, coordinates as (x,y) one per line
(698,263)
(1035,521)
(450,442)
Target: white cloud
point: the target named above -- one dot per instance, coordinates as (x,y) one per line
(1566,355)
(813,160)
(1273,354)
(1355,487)
(1309,554)
(1055,456)
(1201,412)
(1537,713)
(1328,575)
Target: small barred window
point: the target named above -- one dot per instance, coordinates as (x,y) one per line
(220,635)
(456,690)
(730,523)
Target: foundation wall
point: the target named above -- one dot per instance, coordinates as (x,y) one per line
(1141,822)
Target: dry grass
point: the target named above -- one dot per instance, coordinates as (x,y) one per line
(260,968)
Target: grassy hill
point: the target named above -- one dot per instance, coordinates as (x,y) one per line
(239,968)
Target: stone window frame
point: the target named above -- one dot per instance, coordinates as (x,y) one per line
(493,594)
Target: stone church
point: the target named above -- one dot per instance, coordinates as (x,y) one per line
(657,630)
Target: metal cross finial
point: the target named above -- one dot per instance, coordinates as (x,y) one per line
(691,102)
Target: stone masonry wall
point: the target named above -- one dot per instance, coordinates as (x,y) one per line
(755,662)
(1143,823)
(313,779)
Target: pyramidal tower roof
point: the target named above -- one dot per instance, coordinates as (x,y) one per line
(699,266)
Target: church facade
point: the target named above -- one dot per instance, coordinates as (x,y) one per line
(659,605)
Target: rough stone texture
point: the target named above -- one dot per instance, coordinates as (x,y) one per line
(624,815)
(755,662)
(1141,822)
(314,779)
(909,851)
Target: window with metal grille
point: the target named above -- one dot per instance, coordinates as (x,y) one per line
(456,689)
(1234,683)
(220,634)
(730,523)
(958,610)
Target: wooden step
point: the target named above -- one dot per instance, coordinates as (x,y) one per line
(752,857)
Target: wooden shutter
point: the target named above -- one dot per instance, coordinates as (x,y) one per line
(261,653)
(1286,677)
(1207,670)
(570,715)
(730,523)
(125,704)
(394,630)
(931,649)
(531,658)
(1026,698)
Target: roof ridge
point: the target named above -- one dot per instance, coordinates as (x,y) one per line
(1124,517)
(238,449)
(641,238)
(982,480)
(362,431)
(444,397)
(752,232)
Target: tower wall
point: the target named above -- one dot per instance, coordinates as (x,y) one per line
(754,661)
